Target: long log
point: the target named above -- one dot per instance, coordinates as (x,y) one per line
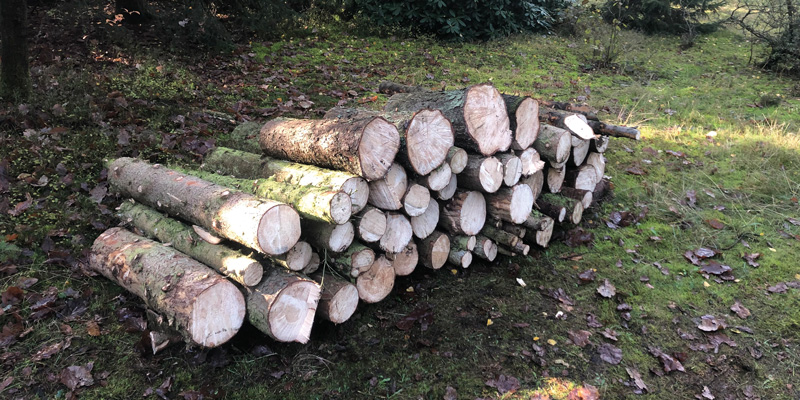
(482,173)
(530,161)
(457,159)
(370,224)
(321,204)
(398,233)
(283,306)
(602,128)
(375,284)
(387,193)
(512,168)
(538,221)
(425,135)
(576,125)
(405,261)
(477,113)
(464,214)
(268,226)
(365,147)
(354,261)
(423,225)
(584,177)
(339,298)
(552,201)
(243,269)
(512,204)
(438,179)
(535,182)
(599,144)
(523,114)
(485,248)
(246,165)
(434,250)
(584,110)
(416,200)
(553,144)
(448,191)
(206,308)
(584,196)
(245,138)
(555,178)
(335,238)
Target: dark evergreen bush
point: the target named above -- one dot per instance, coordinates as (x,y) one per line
(684,17)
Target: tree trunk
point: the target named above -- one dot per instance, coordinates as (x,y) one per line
(398,233)
(464,214)
(551,201)
(283,306)
(370,225)
(512,168)
(530,161)
(320,204)
(404,262)
(485,248)
(297,258)
(585,177)
(245,165)
(363,147)
(580,149)
(15,74)
(477,113)
(553,144)
(425,135)
(338,300)
(535,182)
(523,114)
(231,263)
(599,144)
(434,250)
(604,129)
(423,225)
(571,122)
(457,159)
(512,204)
(501,237)
(555,178)
(482,173)
(335,238)
(267,226)
(584,196)
(354,261)
(438,178)
(387,193)
(375,284)
(206,308)
(448,191)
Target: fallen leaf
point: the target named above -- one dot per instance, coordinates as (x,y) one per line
(610,353)
(691,195)
(637,380)
(560,295)
(98,193)
(715,223)
(504,384)
(709,323)
(422,314)
(580,337)
(93,328)
(707,393)
(610,334)
(585,392)
(77,376)
(740,310)
(592,321)
(669,363)
(450,394)
(779,288)
(22,206)
(704,252)
(587,276)
(751,259)
(635,170)
(714,268)
(718,339)
(50,350)
(607,290)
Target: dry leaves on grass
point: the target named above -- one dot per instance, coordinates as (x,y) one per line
(77,376)
(580,337)
(610,353)
(639,386)
(710,323)
(668,362)
(607,290)
(740,310)
(504,384)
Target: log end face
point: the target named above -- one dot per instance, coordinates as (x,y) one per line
(578,127)
(341,237)
(299,256)
(457,158)
(487,119)
(563,147)
(358,189)
(473,213)
(527,118)
(279,229)
(377,283)
(217,314)
(343,304)
(512,172)
(341,208)
(440,251)
(490,250)
(466,259)
(292,313)
(405,262)
(521,203)
(416,200)
(428,138)
(377,149)
(491,174)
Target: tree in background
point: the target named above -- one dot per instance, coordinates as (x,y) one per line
(683,17)
(776,24)
(15,75)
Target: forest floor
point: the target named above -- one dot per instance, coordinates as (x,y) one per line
(700,239)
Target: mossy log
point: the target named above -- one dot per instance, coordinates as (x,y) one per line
(551,203)
(584,196)
(354,261)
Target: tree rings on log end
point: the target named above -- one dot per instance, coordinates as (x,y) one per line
(279,229)
(292,313)
(429,136)
(374,285)
(379,144)
(210,327)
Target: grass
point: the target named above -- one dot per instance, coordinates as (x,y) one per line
(677,97)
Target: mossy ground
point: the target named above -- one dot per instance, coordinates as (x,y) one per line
(150,102)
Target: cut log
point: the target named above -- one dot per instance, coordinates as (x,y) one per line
(245,165)
(297,258)
(416,200)
(598,161)
(462,258)
(338,300)
(387,193)
(540,237)
(313,264)
(404,262)
(375,284)
(599,144)
(523,114)
(268,226)
(514,229)
(464,214)
(538,221)
(601,190)
(449,190)
(501,237)
(485,248)
(245,138)
(365,147)
(555,178)
(335,238)
(202,305)
(477,113)
(457,159)
(584,177)
(283,306)
(438,179)
(602,128)
(354,261)
(425,135)
(321,204)
(423,225)
(576,125)
(551,201)
(241,268)
(580,149)
(535,182)
(512,168)
(462,242)
(398,233)
(434,250)
(554,211)
(505,251)
(530,161)
(512,204)
(482,173)
(370,224)
(553,144)
(584,196)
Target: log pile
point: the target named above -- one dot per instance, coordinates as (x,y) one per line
(311,217)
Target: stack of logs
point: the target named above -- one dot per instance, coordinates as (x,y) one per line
(309,217)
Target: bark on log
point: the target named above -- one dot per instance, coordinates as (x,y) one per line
(501,237)
(505,251)
(464,214)
(514,229)
(554,211)
(398,233)
(404,262)
(246,165)
(538,221)
(599,144)
(523,114)
(283,306)
(482,173)
(535,182)
(553,144)
(584,196)
(462,258)
(354,261)
(434,250)
(370,225)
(243,269)
(375,284)
(438,179)
(530,160)
(462,242)
(571,122)
(267,226)
(457,159)
(602,128)
(584,177)
(363,147)
(245,138)
(206,308)
(450,190)
(416,200)
(598,161)
(425,135)
(512,168)
(335,238)
(601,190)
(555,178)
(540,237)
(387,193)
(580,149)
(485,248)
(477,113)
(297,258)
(551,201)
(338,300)
(512,204)
(423,225)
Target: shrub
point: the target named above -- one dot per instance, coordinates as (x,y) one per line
(776,24)
(663,16)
